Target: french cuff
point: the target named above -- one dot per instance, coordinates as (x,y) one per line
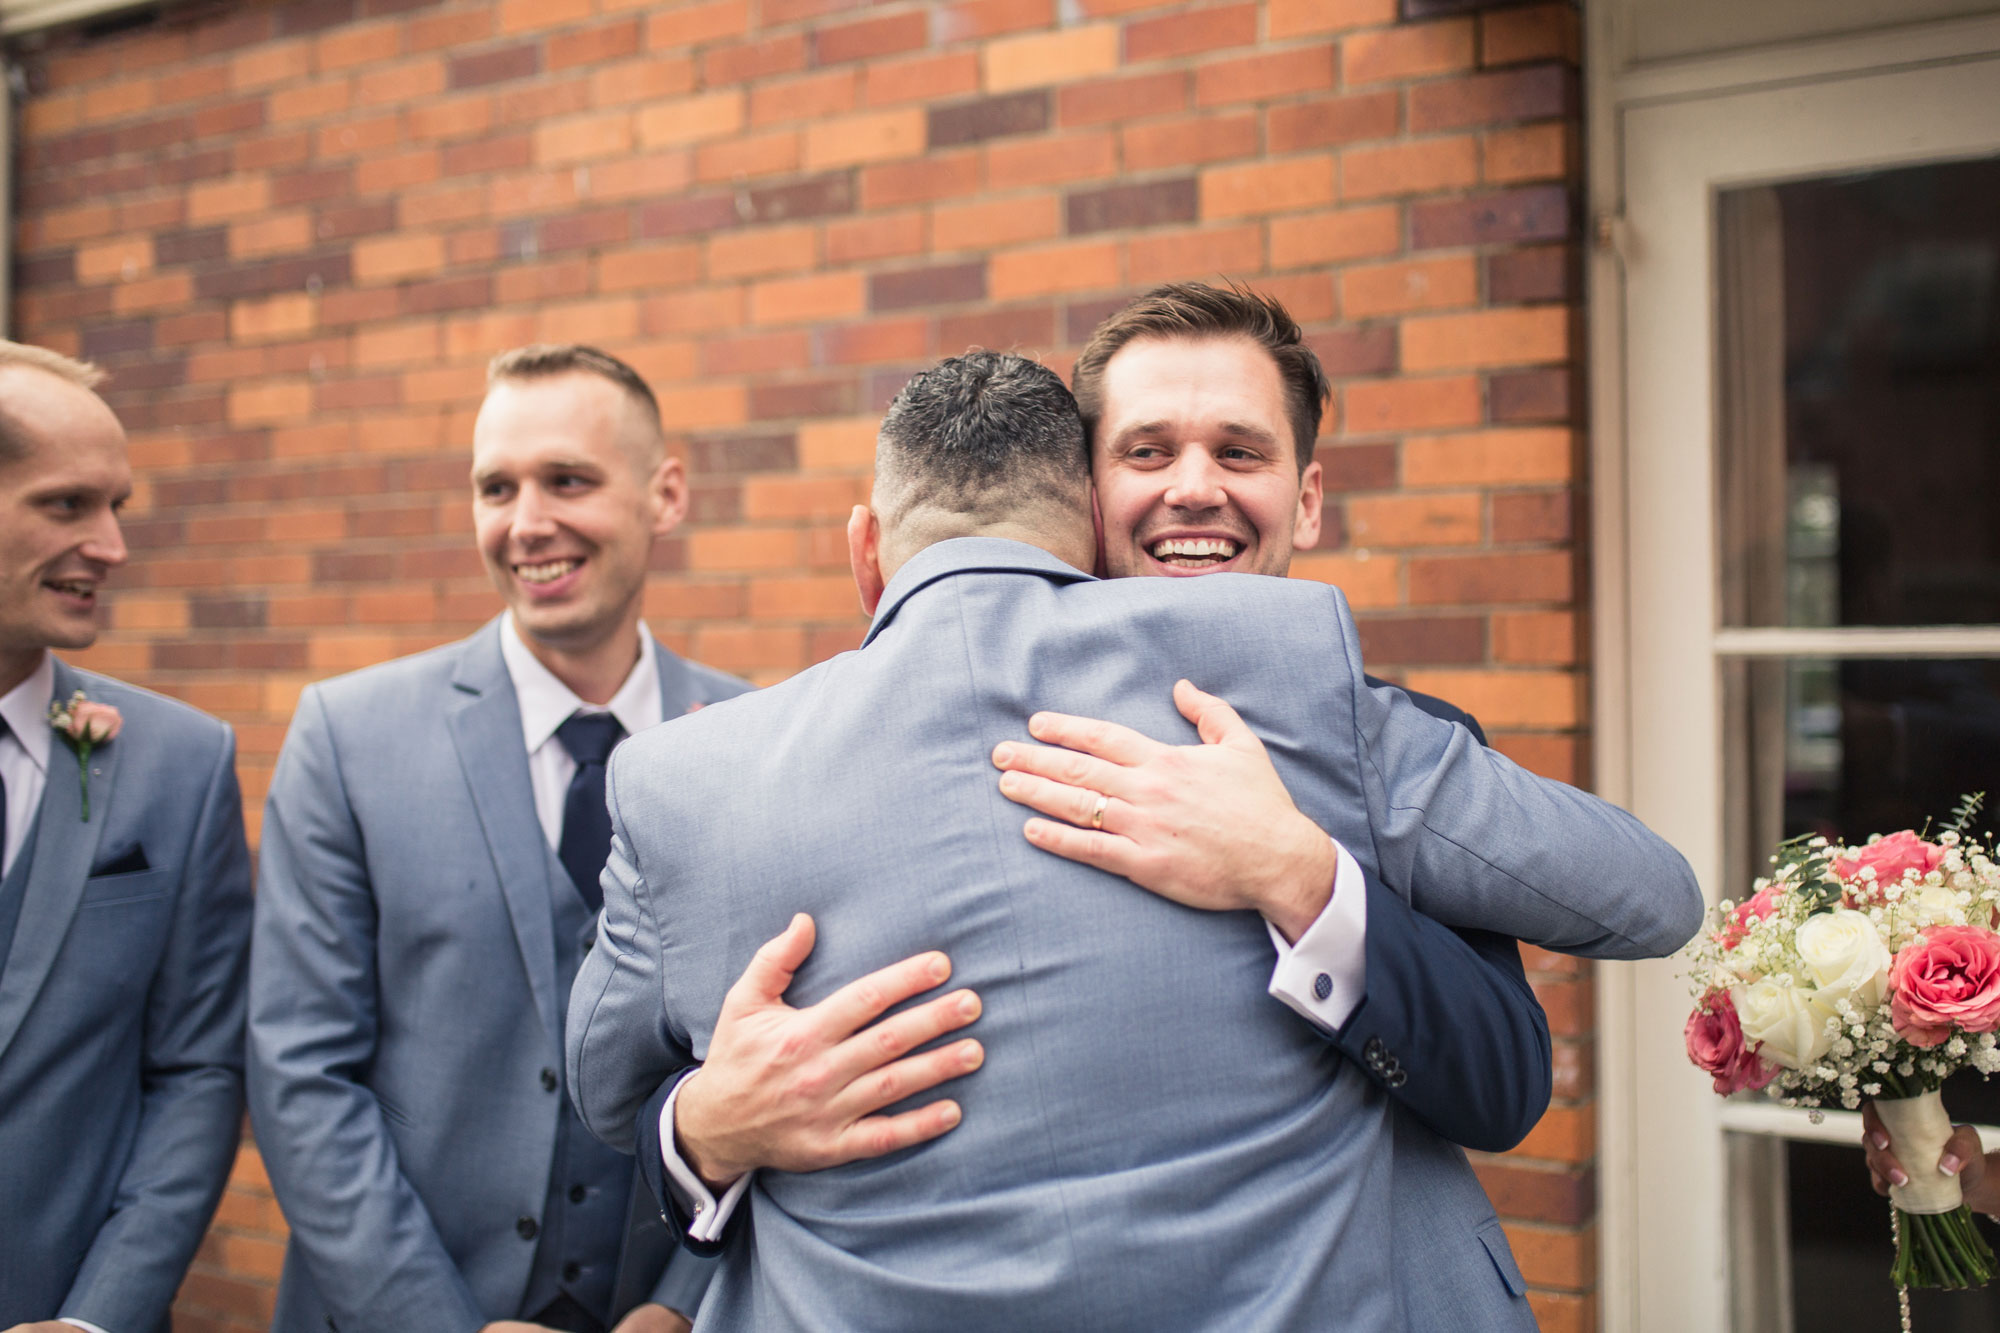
(710,1214)
(83,1324)
(1324,976)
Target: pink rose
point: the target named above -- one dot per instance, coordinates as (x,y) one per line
(1715,1044)
(1890,858)
(1947,977)
(93,722)
(1751,910)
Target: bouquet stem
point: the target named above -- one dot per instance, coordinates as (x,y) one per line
(1937,1245)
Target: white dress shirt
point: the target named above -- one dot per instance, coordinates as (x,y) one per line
(546,704)
(1333,950)
(24,754)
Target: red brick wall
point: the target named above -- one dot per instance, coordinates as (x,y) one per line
(296,231)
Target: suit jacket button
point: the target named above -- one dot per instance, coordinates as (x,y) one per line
(525,1228)
(548,1080)
(1372,1052)
(572,1271)
(577,1194)
(1396,1078)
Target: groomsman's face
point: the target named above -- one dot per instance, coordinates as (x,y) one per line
(570,490)
(59,503)
(1194,462)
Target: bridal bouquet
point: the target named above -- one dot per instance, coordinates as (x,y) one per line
(1866,972)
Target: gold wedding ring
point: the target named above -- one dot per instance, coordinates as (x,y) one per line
(1097,815)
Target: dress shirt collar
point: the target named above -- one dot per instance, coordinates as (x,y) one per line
(546,702)
(26,708)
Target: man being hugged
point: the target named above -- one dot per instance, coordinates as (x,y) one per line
(124,904)
(430,862)
(1145,1139)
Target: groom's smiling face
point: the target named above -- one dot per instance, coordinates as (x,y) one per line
(1194,462)
(570,489)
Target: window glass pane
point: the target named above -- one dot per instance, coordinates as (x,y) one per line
(1859,381)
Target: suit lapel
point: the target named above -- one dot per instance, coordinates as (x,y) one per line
(485,727)
(677,691)
(65,847)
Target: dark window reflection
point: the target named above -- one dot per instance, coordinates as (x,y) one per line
(1884,288)
(1841,1253)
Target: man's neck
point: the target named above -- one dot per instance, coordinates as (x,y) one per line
(594,673)
(16,665)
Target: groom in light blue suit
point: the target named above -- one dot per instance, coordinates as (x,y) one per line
(430,856)
(1146,1143)
(124,907)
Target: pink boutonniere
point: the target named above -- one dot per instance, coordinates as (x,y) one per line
(85,725)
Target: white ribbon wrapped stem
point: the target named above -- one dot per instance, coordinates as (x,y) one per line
(1918,1129)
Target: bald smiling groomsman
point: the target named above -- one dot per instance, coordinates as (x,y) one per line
(430,865)
(124,904)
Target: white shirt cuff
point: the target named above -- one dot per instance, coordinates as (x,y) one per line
(83,1324)
(1324,976)
(710,1214)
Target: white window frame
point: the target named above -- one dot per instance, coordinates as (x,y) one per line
(1663,139)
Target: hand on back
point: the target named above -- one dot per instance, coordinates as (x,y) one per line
(799,1089)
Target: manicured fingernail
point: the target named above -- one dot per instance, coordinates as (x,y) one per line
(939,967)
(1897,1178)
(1880,1140)
(971,1054)
(1949,1164)
(968,1005)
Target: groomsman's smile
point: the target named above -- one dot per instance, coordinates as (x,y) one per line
(570,489)
(59,501)
(1194,462)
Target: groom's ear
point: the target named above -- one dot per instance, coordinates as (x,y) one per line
(864,556)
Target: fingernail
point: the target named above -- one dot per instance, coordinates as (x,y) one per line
(971,1055)
(1880,1140)
(1949,1164)
(940,967)
(949,1113)
(1003,755)
(968,1005)
(1009,783)
(1896,1177)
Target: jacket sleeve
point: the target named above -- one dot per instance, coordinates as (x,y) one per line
(652,1165)
(191,1076)
(1449,1027)
(1481,844)
(617,1042)
(370,1244)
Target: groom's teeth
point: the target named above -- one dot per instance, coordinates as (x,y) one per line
(75,587)
(545,573)
(1195,550)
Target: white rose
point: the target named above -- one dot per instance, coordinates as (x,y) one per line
(1847,958)
(1930,906)
(1784,1018)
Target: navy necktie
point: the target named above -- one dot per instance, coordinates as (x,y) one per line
(5,732)
(586,826)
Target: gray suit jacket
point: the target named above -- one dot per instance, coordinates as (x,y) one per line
(404,1031)
(1141,1098)
(121,1018)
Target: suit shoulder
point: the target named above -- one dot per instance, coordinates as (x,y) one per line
(709,685)
(395,679)
(154,715)
(1263,601)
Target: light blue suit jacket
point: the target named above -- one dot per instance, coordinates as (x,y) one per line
(1152,1140)
(121,1019)
(404,1031)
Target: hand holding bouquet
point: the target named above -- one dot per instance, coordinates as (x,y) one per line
(1866,972)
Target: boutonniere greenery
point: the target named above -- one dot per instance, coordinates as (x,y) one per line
(84,724)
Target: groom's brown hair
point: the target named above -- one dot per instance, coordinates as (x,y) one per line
(1187,310)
